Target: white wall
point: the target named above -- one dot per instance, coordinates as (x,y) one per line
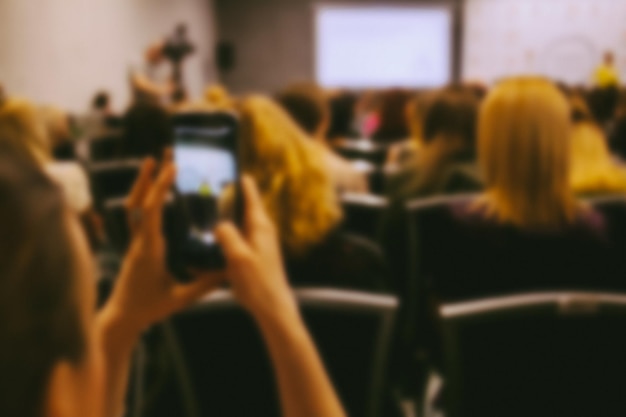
(62,51)
(564,39)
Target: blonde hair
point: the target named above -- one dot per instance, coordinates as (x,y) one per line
(593,170)
(290,172)
(21,126)
(523,147)
(217,97)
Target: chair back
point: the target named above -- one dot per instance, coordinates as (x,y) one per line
(230,372)
(106,147)
(541,354)
(363,213)
(113,179)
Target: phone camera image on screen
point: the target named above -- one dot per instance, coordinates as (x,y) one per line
(207,172)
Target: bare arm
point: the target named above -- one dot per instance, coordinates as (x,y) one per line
(145,293)
(256,273)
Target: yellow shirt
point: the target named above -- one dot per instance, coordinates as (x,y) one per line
(606,76)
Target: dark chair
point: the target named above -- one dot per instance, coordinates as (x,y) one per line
(542,354)
(106,147)
(362,150)
(222,367)
(363,213)
(112,179)
(116,224)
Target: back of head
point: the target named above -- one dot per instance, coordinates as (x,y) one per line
(451,113)
(56,124)
(593,169)
(342,110)
(290,172)
(392,122)
(101,101)
(523,145)
(21,126)
(217,97)
(148,130)
(307,105)
(39,318)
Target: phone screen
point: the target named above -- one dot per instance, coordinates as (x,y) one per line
(206,160)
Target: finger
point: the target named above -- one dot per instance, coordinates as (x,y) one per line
(138,192)
(185,294)
(142,183)
(233,245)
(254,210)
(154,202)
(168,154)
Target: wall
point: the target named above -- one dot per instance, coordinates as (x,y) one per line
(274,40)
(62,51)
(563,39)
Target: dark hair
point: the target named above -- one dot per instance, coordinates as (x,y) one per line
(452,111)
(602,103)
(101,100)
(148,130)
(342,115)
(39,317)
(306,105)
(393,124)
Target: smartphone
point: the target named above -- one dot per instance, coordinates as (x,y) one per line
(206,189)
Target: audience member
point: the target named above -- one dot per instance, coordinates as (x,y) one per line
(528,207)
(446,162)
(602,103)
(62,358)
(593,170)
(300,199)
(617,136)
(100,117)
(308,106)
(21,124)
(342,116)
(392,125)
(148,130)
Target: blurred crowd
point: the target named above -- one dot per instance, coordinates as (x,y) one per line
(526,155)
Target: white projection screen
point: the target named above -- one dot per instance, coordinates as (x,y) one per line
(383,46)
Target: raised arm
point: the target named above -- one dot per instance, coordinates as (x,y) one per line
(255,270)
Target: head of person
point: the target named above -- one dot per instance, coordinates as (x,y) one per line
(391,115)
(609,58)
(56,124)
(101,101)
(524,151)
(148,130)
(593,170)
(450,115)
(216,96)
(21,125)
(308,107)
(51,365)
(342,113)
(289,171)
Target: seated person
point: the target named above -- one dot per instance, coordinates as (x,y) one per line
(148,130)
(446,162)
(308,106)
(300,198)
(593,169)
(533,232)
(391,125)
(60,357)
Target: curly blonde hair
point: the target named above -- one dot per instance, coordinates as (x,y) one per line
(290,173)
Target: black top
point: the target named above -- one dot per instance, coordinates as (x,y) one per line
(480,257)
(343,261)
